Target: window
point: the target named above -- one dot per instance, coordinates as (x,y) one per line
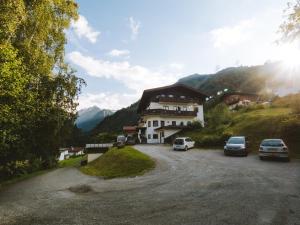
(162,134)
(182,97)
(162,123)
(149,123)
(173,123)
(166,107)
(181,123)
(155,136)
(155,123)
(189,123)
(149,136)
(171,96)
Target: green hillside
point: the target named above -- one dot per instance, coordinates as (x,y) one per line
(114,123)
(280,120)
(247,79)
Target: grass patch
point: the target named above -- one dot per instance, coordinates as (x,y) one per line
(124,162)
(71,162)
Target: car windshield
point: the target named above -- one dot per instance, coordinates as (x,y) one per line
(236,140)
(121,138)
(178,142)
(273,143)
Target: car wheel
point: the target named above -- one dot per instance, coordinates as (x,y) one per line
(287,159)
(186,148)
(261,158)
(225,153)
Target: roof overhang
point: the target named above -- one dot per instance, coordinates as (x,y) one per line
(171,89)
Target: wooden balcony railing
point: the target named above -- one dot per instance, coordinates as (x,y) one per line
(169,112)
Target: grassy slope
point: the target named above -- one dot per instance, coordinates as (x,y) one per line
(125,162)
(71,162)
(257,125)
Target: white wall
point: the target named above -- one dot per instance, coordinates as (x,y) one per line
(200,114)
(168,120)
(92,157)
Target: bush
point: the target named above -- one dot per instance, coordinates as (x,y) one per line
(104,138)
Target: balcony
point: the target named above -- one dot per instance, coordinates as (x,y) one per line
(177,100)
(164,112)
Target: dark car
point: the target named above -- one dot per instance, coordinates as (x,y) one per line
(130,140)
(273,148)
(236,145)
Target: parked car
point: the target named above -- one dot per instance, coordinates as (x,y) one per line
(183,143)
(130,140)
(273,148)
(236,145)
(121,139)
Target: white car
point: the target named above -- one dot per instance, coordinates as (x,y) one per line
(273,148)
(183,143)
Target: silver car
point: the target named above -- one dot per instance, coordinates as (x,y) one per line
(236,145)
(273,148)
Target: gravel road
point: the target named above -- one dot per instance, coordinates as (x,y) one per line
(194,187)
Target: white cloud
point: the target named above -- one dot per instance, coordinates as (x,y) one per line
(134,27)
(107,100)
(118,53)
(232,35)
(134,77)
(83,29)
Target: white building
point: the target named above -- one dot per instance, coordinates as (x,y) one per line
(167,110)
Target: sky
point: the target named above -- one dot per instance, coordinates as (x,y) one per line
(122,47)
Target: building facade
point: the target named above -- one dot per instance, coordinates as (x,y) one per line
(167,110)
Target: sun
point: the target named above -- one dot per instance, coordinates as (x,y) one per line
(289,55)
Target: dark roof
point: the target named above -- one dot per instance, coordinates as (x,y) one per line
(147,94)
(129,128)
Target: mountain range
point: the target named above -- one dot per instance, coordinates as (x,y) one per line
(89,118)
(250,79)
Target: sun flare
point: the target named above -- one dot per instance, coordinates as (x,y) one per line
(289,55)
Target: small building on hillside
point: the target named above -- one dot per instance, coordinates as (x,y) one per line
(76,151)
(63,154)
(167,110)
(234,99)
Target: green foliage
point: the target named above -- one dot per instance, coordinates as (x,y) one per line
(37,89)
(71,162)
(290,28)
(125,162)
(104,138)
(218,116)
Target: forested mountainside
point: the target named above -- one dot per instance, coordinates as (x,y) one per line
(252,79)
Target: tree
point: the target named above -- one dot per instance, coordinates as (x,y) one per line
(291,27)
(38,90)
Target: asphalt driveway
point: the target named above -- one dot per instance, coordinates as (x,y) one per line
(194,187)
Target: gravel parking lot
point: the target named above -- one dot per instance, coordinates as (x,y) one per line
(194,187)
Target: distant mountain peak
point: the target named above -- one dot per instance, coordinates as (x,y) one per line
(88,118)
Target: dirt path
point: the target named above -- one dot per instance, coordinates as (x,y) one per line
(194,187)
